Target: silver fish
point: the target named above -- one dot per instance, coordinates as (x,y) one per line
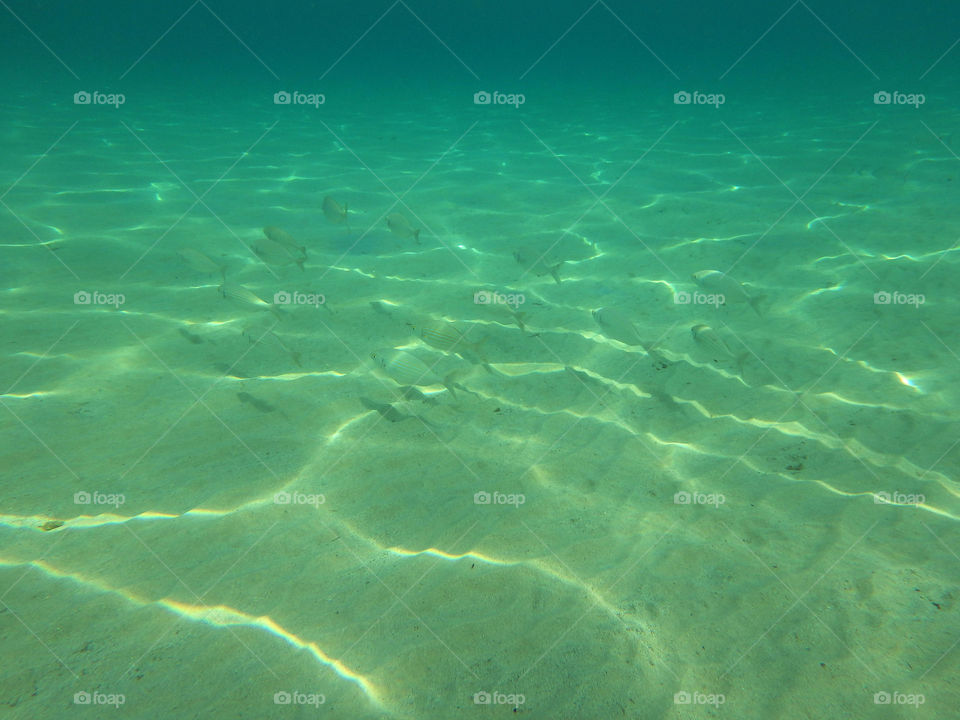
(242,296)
(617,324)
(401,227)
(407,369)
(334,212)
(710,340)
(282,237)
(201,263)
(444,336)
(720,283)
(273,253)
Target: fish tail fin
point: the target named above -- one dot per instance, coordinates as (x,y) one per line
(448,384)
(653,352)
(300,263)
(223,273)
(755,304)
(296,358)
(416,235)
(555,271)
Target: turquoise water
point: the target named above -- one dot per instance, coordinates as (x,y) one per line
(488,435)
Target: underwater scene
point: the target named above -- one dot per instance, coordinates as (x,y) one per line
(426,360)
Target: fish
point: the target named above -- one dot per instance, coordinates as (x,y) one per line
(389,412)
(275,253)
(541,268)
(411,393)
(333,211)
(407,369)
(554,270)
(447,338)
(710,340)
(720,283)
(201,263)
(282,237)
(401,227)
(617,324)
(241,295)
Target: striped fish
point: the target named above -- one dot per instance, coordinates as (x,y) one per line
(282,237)
(406,369)
(242,296)
(708,338)
(201,263)
(447,338)
(273,253)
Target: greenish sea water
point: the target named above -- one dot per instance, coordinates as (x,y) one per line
(422,360)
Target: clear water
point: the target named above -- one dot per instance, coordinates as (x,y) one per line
(584,505)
